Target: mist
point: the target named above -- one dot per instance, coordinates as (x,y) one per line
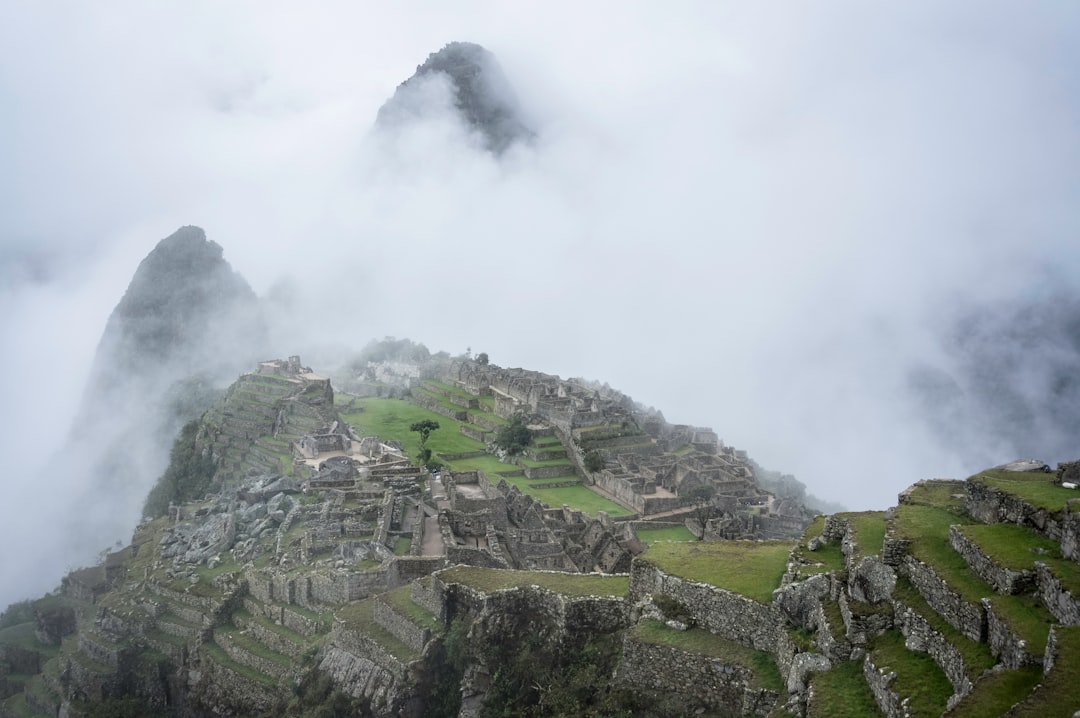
(762,220)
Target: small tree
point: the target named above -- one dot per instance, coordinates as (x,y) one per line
(594,461)
(482,359)
(514,437)
(424,428)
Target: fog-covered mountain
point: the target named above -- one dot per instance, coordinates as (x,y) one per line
(469,77)
(186,325)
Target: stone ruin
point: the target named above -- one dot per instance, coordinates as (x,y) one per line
(650,466)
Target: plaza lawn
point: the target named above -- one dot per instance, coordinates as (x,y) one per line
(673,533)
(391,418)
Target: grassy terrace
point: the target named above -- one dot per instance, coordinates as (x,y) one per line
(998,692)
(750,568)
(360,616)
(942,493)
(568,584)
(704,643)
(1018,548)
(918,677)
(828,557)
(1035,487)
(977,656)
(399,599)
(1024,614)
(842,693)
(1058,694)
(869,530)
(675,533)
(218,655)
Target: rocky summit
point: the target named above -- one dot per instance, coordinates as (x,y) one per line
(481,95)
(446,537)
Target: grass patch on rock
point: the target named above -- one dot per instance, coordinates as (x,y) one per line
(704,643)
(1035,487)
(569,584)
(841,692)
(750,568)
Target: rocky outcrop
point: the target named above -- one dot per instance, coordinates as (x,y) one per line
(480,94)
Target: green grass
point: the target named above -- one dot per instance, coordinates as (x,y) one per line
(252,646)
(1027,617)
(20,636)
(1018,548)
(391,418)
(525,461)
(1036,487)
(569,584)
(580,498)
(997,692)
(976,656)
(941,493)
(704,643)
(918,677)
(929,527)
(402,545)
(1058,695)
(218,655)
(750,568)
(360,616)
(842,693)
(674,533)
(400,600)
(869,530)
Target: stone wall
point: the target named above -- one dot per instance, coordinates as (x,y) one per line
(965,617)
(1006,646)
(880,682)
(1070,531)
(701,682)
(990,505)
(218,685)
(412,635)
(728,615)
(921,636)
(1003,580)
(1059,600)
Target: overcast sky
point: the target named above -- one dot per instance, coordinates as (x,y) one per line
(752,216)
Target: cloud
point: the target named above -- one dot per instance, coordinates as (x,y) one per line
(753,220)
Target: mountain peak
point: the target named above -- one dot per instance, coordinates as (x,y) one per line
(482,95)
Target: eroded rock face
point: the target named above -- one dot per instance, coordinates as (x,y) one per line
(478,89)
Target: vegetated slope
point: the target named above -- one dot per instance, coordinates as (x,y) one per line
(185,326)
(273,598)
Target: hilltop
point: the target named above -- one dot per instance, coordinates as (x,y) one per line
(311,553)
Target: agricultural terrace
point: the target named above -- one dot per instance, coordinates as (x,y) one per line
(390,419)
(928,528)
(568,584)
(751,568)
(704,643)
(1035,487)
